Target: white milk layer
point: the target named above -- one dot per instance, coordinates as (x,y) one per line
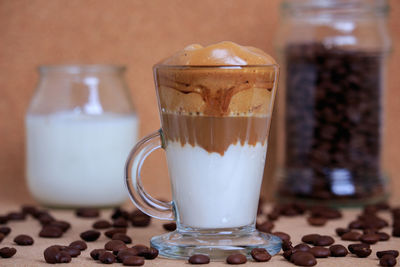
(78,160)
(213,191)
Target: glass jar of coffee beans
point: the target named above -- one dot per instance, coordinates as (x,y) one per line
(330,110)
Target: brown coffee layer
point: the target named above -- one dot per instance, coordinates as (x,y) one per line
(216,91)
(215,134)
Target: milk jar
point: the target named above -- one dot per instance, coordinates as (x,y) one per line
(80,126)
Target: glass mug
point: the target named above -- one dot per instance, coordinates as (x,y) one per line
(215,124)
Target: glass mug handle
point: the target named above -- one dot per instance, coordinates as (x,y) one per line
(146,203)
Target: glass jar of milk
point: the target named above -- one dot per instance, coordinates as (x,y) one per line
(80,126)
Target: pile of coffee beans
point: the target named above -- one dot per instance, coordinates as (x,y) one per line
(333,124)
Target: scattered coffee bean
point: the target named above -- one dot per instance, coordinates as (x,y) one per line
(362,252)
(387,260)
(352,247)
(236,259)
(110,245)
(357,224)
(370,238)
(151,254)
(51,232)
(394,253)
(16,216)
(3,219)
(106,257)
(141,249)
(63,257)
(5,230)
(338,251)
(123,253)
(199,259)
(96,253)
(273,216)
(169,226)
(2,236)
(283,236)
(90,235)
(302,258)
(265,227)
(396,231)
(288,254)
(133,261)
(286,245)
(29,209)
(56,254)
(320,252)
(342,231)
(73,252)
(87,212)
(120,223)
(101,224)
(324,240)
(310,239)
(351,236)
(79,244)
(383,236)
(139,219)
(23,240)
(63,225)
(301,247)
(123,237)
(316,221)
(260,254)
(112,232)
(120,213)
(45,218)
(7,252)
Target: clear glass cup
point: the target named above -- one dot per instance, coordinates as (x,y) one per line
(331,106)
(214,129)
(80,126)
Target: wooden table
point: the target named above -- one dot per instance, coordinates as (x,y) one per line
(295,226)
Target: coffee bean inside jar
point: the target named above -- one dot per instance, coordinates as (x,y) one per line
(333,122)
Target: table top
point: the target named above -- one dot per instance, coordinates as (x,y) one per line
(295,226)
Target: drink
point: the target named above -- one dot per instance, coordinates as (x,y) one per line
(74,159)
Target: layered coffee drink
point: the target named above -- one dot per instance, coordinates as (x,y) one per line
(216,104)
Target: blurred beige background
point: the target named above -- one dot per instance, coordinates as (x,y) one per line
(136,33)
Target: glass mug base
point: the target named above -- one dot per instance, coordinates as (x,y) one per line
(218,244)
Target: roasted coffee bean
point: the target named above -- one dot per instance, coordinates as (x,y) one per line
(16,216)
(351,236)
(324,240)
(7,252)
(302,258)
(101,224)
(310,239)
(287,254)
(123,237)
(396,231)
(51,232)
(106,257)
(79,244)
(301,247)
(63,225)
(169,226)
(123,253)
(320,252)
(45,218)
(283,236)
(383,236)
(29,209)
(356,225)
(370,238)
(112,232)
(90,235)
(341,231)
(73,252)
(120,213)
(199,259)
(63,257)
(387,260)
(133,261)
(273,216)
(265,227)
(87,212)
(142,249)
(325,212)
(316,221)
(394,253)
(2,236)
(3,219)
(352,247)
(23,240)
(286,245)
(96,253)
(338,251)
(362,252)
(139,219)
(236,259)
(120,223)
(151,254)
(260,254)
(110,245)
